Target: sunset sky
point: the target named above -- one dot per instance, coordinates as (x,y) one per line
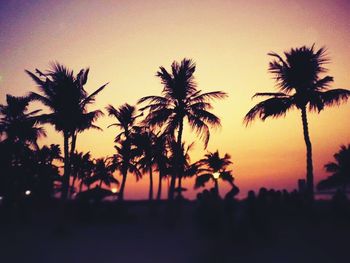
(125,42)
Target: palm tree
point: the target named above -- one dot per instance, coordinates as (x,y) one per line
(214,168)
(81,168)
(124,162)
(161,160)
(103,172)
(180,101)
(126,116)
(45,171)
(299,86)
(183,158)
(64,94)
(17,124)
(144,142)
(19,132)
(339,169)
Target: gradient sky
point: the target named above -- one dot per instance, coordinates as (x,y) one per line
(124,43)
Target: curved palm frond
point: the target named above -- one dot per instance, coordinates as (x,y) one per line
(273,107)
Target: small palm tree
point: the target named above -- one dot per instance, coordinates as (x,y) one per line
(180,101)
(124,161)
(126,116)
(182,158)
(17,125)
(214,168)
(144,142)
(81,169)
(161,160)
(103,172)
(300,86)
(339,169)
(64,94)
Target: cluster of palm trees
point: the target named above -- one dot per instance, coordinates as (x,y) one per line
(149,140)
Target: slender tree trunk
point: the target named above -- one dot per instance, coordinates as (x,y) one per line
(72,186)
(81,186)
(309,166)
(72,149)
(179,182)
(216,185)
(178,168)
(122,187)
(66,173)
(100,184)
(150,183)
(73,144)
(159,192)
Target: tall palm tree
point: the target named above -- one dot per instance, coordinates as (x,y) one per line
(64,95)
(339,169)
(299,86)
(180,101)
(17,125)
(214,168)
(126,116)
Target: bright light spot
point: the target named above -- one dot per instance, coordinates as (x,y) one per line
(114,190)
(216,175)
(0,198)
(28,192)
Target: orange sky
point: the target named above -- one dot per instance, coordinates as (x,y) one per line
(124,43)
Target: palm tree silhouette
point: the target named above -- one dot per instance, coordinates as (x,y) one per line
(17,125)
(126,116)
(103,172)
(180,101)
(339,169)
(214,168)
(19,132)
(182,158)
(124,161)
(144,141)
(300,86)
(81,169)
(161,159)
(64,94)
(45,171)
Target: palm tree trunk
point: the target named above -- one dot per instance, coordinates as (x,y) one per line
(66,173)
(178,168)
(72,186)
(159,192)
(216,185)
(74,141)
(81,185)
(309,166)
(150,184)
(122,187)
(72,149)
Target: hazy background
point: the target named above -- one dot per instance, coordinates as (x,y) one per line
(124,43)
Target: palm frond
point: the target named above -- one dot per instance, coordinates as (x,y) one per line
(334,96)
(202,179)
(270,94)
(273,107)
(91,97)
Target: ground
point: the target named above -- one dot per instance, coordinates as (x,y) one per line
(147,236)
